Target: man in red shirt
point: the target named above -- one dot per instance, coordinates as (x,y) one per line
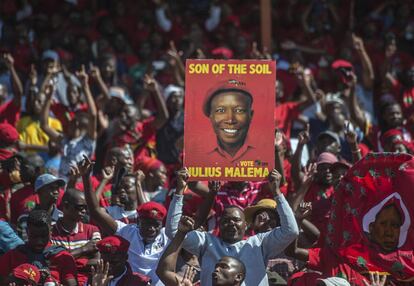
(77,237)
(39,251)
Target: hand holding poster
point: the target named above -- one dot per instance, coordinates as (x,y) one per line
(229,125)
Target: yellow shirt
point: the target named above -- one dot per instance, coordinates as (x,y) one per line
(31,133)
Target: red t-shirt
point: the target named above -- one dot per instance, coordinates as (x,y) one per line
(64,114)
(22,201)
(78,238)
(9,112)
(62,265)
(327,262)
(284,115)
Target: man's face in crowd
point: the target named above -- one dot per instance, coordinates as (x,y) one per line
(129,116)
(335,114)
(127,191)
(265,220)
(232,225)
(49,194)
(175,101)
(393,116)
(108,68)
(324,174)
(116,261)
(327,144)
(37,103)
(149,229)
(226,273)
(37,237)
(73,95)
(160,176)
(385,231)
(230,115)
(75,209)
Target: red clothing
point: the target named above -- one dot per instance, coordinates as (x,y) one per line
(285,113)
(82,234)
(62,265)
(9,112)
(4,199)
(327,262)
(6,153)
(65,114)
(22,201)
(288,186)
(104,200)
(218,156)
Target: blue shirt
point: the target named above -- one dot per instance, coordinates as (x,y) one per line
(254,252)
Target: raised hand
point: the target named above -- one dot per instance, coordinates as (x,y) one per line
(74,172)
(186,224)
(303,211)
(85,166)
(274,182)
(8,60)
(279,139)
(188,277)
(350,135)
(357,42)
(309,173)
(108,173)
(173,53)
(99,274)
(304,136)
(94,71)
(182,177)
(82,75)
(214,186)
(376,279)
(139,176)
(150,83)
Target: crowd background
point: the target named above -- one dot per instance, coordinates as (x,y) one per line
(91,138)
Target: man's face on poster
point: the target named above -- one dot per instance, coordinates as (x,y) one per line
(385,230)
(230,116)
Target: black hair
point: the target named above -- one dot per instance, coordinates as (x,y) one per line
(70,195)
(382,108)
(39,218)
(239,264)
(207,106)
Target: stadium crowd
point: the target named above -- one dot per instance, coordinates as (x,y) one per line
(93,190)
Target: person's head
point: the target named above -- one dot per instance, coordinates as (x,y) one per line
(232,224)
(118,99)
(35,103)
(74,205)
(38,230)
(262,216)
(73,94)
(50,60)
(155,172)
(335,110)
(230,113)
(114,250)
(393,141)
(332,281)
(229,271)
(150,219)
(107,65)
(25,275)
(120,157)
(339,169)
(129,117)
(3,93)
(385,230)
(126,191)
(390,115)
(324,162)
(47,187)
(174,96)
(8,135)
(409,76)
(328,141)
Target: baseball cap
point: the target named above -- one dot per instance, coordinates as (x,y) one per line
(50,55)
(341,64)
(231,85)
(27,272)
(334,281)
(47,179)
(330,134)
(326,158)
(172,88)
(265,204)
(8,134)
(334,98)
(119,92)
(113,244)
(152,210)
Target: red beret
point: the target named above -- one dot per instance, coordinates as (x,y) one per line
(27,272)
(341,64)
(152,210)
(149,164)
(113,244)
(8,134)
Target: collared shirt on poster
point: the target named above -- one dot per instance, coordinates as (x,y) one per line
(217,154)
(142,257)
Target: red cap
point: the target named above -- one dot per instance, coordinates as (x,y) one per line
(27,272)
(223,52)
(341,64)
(327,158)
(152,210)
(149,164)
(8,134)
(392,133)
(113,244)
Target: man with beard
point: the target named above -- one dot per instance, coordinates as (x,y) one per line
(78,237)
(228,271)
(147,236)
(254,252)
(114,253)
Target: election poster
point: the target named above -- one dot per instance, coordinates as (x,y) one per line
(228,122)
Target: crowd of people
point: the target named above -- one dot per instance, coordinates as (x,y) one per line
(93,190)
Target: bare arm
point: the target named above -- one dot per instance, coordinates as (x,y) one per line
(83,78)
(368,75)
(103,219)
(177,64)
(296,198)
(357,114)
(44,116)
(16,82)
(107,175)
(297,175)
(162,113)
(96,75)
(351,138)
(139,178)
(278,155)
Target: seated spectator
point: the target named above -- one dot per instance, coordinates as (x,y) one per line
(254,252)
(77,237)
(56,262)
(114,253)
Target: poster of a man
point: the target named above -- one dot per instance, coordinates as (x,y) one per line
(229,129)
